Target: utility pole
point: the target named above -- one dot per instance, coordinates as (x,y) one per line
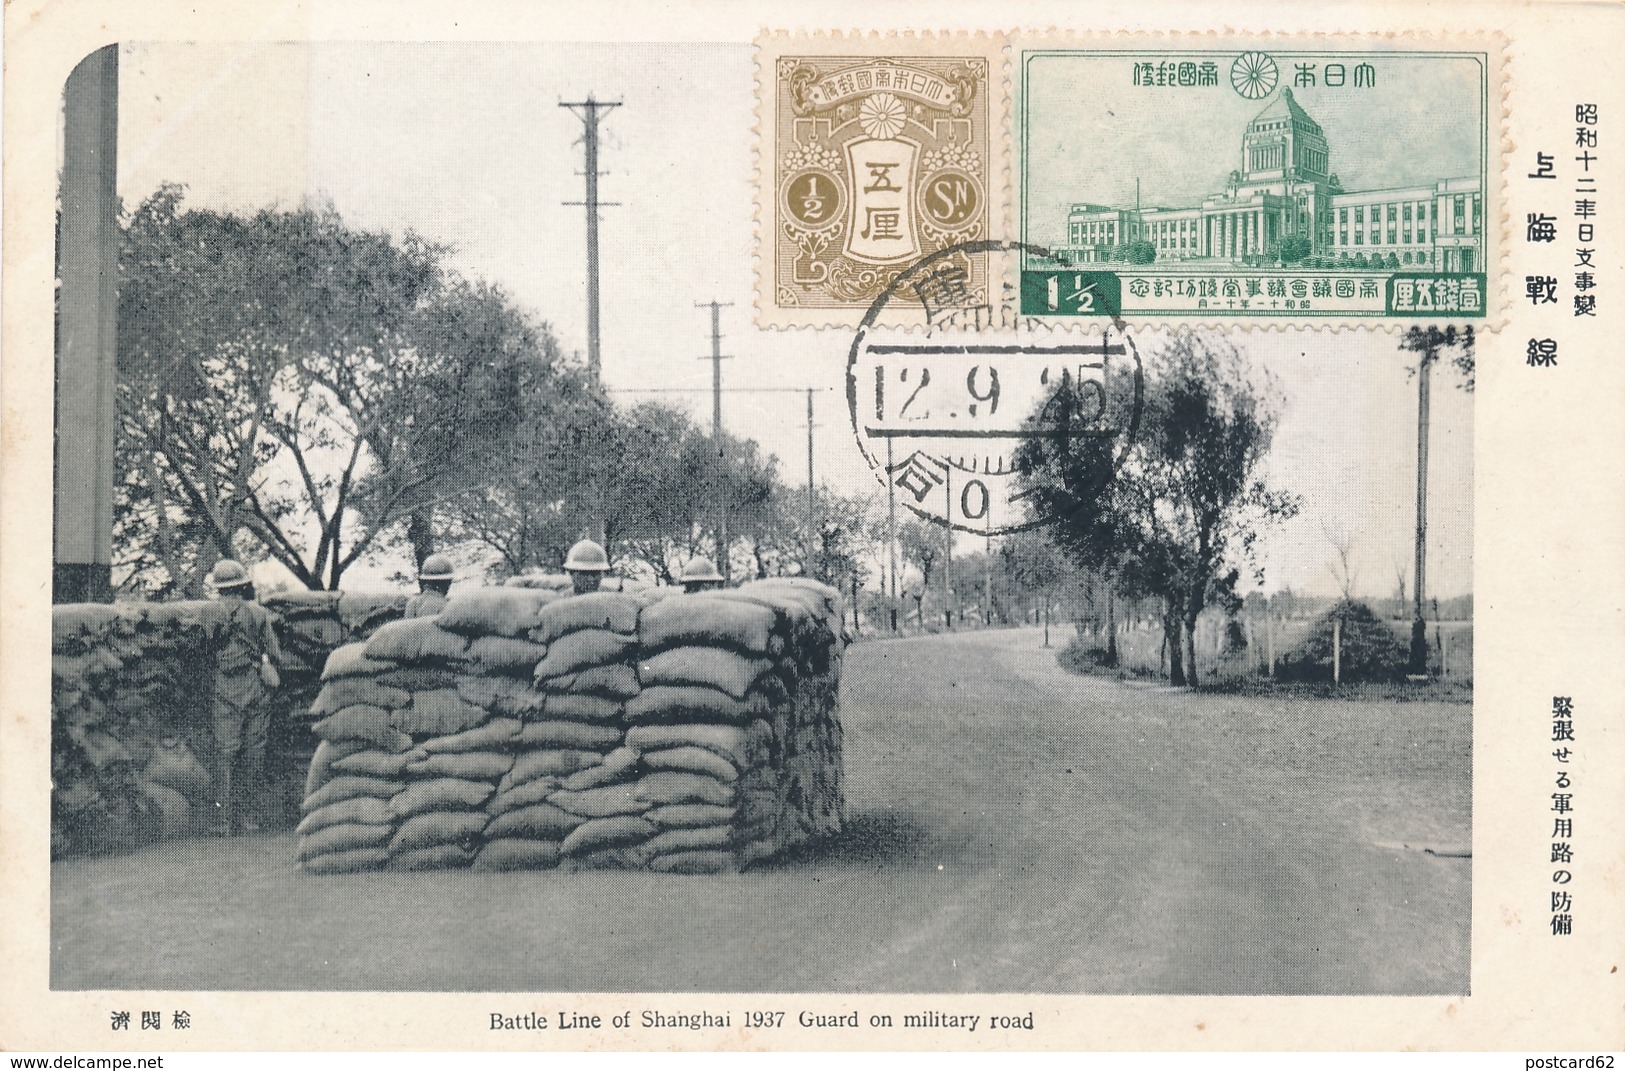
(891,535)
(987,565)
(811,513)
(1427,343)
(1419,631)
(948,549)
(716,360)
(588,111)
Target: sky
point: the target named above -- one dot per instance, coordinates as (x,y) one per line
(466,145)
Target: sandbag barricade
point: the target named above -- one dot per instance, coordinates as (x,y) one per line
(310,625)
(527,728)
(132,740)
(127,729)
(562,584)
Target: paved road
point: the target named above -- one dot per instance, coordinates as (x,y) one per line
(1174,842)
(1014,828)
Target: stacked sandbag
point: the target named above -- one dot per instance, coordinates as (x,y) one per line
(498,680)
(568,783)
(308,629)
(558,582)
(359,765)
(373,797)
(561,583)
(696,734)
(737,724)
(311,625)
(125,678)
(810,792)
(131,692)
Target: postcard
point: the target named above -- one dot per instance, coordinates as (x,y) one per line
(713,527)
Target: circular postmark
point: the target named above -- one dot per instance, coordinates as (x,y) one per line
(941,416)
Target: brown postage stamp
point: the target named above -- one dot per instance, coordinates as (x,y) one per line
(872,153)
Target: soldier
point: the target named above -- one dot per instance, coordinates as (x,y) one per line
(434,581)
(700,575)
(586,563)
(245,648)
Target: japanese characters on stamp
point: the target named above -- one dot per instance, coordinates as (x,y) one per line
(1316,179)
(1326,179)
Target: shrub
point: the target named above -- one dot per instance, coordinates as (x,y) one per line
(1371,651)
(1294,248)
(1084,657)
(1142,252)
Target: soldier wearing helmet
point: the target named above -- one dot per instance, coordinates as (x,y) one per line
(700,575)
(586,563)
(243,641)
(434,582)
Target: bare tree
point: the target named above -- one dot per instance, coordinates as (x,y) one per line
(1342,563)
(292,381)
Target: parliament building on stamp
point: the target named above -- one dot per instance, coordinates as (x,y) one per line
(1285,188)
(1256,182)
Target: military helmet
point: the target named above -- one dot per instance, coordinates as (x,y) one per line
(586,557)
(227,573)
(437,567)
(699,569)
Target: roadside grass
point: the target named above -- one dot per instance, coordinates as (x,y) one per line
(1231,676)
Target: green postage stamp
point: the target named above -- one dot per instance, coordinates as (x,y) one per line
(1310,178)
(1305,179)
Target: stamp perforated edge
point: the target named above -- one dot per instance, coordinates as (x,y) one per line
(1498,147)
(1493,45)
(770,45)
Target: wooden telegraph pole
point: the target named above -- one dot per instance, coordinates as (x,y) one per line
(812,537)
(716,360)
(987,566)
(891,535)
(948,548)
(1418,663)
(589,112)
(1427,343)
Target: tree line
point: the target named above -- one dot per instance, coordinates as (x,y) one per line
(1170,507)
(295,388)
